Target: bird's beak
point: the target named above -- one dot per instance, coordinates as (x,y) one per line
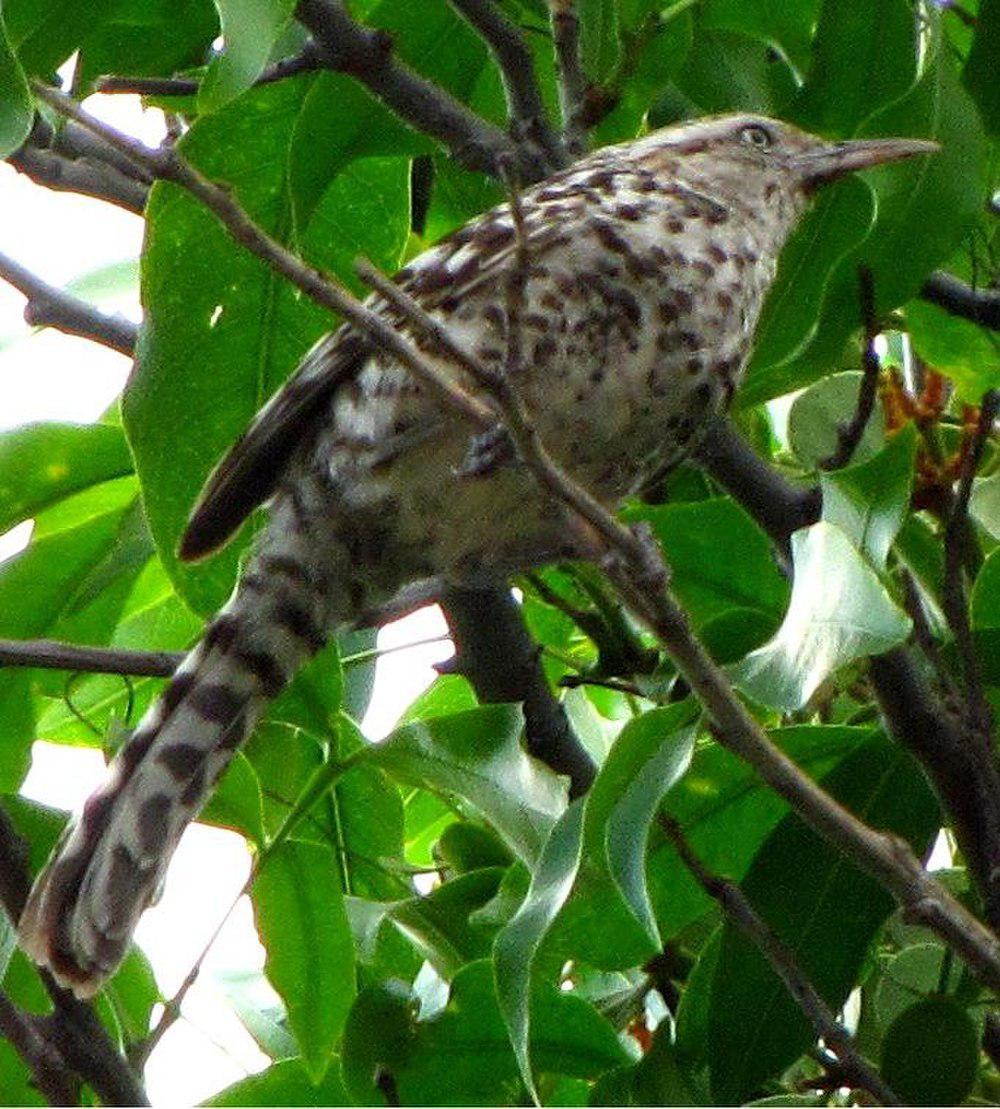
(835,161)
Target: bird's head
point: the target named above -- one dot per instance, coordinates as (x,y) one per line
(750,155)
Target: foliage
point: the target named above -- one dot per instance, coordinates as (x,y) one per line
(552,935)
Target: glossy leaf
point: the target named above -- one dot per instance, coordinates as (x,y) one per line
(16,106)
(930,1053)
(43,463)
(839,611)
(250,29)
(462,1056)
(149,38)
(864,56)
(284,1083)
(299,909)
(869,501)
(980,75)
(702,542)
(518,943)
(789,24)
(827,918)
(477,755)
(963,350)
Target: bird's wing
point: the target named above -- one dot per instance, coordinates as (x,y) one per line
(255,464)
(452,270)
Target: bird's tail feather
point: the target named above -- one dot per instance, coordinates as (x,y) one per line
(85,905)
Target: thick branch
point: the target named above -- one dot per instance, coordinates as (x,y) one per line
(734,903)
(367,55)
(528,117)
(503,665)
(77,175)
(51,307)
(48,1068)
(982,306)
(778,506)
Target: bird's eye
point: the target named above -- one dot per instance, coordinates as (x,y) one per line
(757,136)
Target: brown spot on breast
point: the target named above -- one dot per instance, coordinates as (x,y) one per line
(717,254)
(181,760)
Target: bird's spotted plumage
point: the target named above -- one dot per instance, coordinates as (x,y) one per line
(646,267)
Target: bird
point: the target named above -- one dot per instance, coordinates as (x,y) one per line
(640,272)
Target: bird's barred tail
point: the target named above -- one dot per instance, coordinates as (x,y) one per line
(110,862)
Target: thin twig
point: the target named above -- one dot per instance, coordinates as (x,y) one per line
(167,164)
(954,598)
(367,54)
(737,908)
(51,307)
(849,435)
(305,61)
(528,118)
(572,80)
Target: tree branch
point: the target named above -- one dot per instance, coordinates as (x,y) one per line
(954,597)
(367,55)
(305,61)
(51,307)
(529,120)
(851,1067)
(572,80)
(80,175)
(48,1068)
(73,1030)
(981,306)
(849,435)
(504,666)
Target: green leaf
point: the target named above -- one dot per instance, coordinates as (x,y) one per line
(916,971)
(252,1000)
(839,611)
(43,592)
(728,72)
(477,755)
(438,924)
(126,1003)
(145,38)
(250,29)
(985,600)
(237,802)
(863,57)
(44,33)
(841,219)
(299,910)
(818,413)
(659,1078)
(869,501)
(600,46)
(43,463)
(462,1056)
(518,943)
(827,919)
(209,303)
(650,755)
(16,107)
(702,542)
(930,1054)
(786,23)
(967,353)
(980,74)
(284,1083)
